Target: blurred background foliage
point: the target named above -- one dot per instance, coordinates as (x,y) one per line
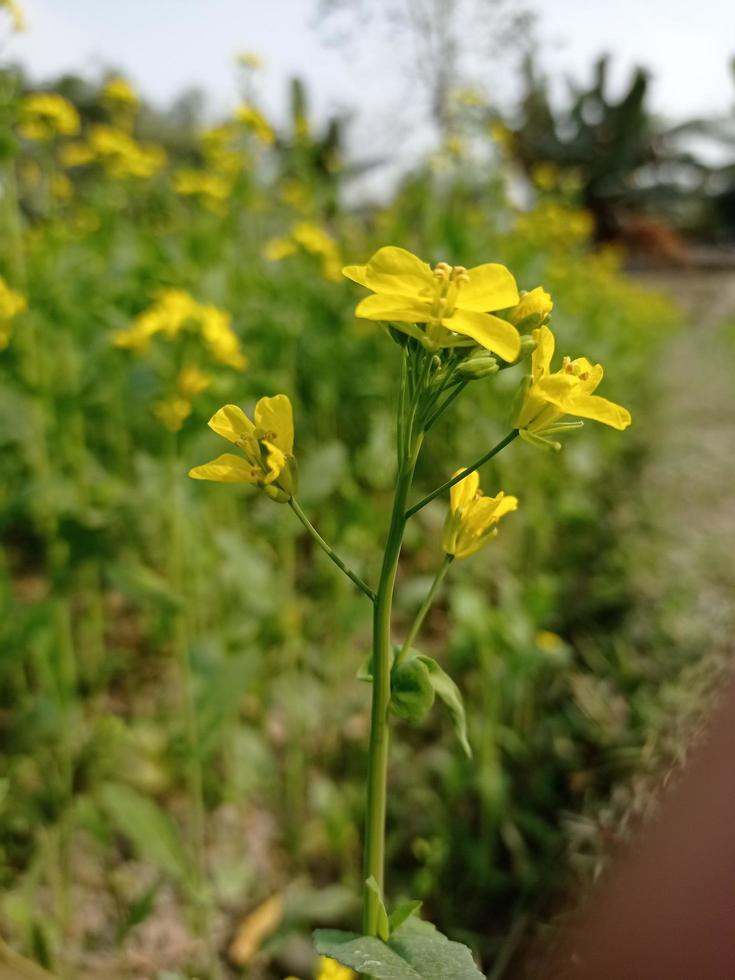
(183,731)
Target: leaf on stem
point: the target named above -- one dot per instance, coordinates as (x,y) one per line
(415,951)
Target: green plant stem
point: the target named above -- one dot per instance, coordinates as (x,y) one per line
(379,732)
(460,476)
(425,606)
(295,507)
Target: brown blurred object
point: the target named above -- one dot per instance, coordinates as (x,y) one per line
(651,240)
(667,911)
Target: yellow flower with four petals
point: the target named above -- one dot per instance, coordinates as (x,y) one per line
(548,396)
(473,518)
(454,305)
(267,444)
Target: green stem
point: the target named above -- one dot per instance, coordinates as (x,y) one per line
(461,475)
(379,732)
(425,606)
(295,507)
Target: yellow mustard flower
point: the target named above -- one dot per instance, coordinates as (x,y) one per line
(330,969)
(118,93)
(173,311)
(255,121)
(548,396)
(267,444)
(279,248)
(11,304)
(533,309)
(249,59)
(211,189)
(454,304)
(61,187)
(473,518)
(123,156)
(172,411)
(191,381)
(45,115)
(77,154)
(15,13)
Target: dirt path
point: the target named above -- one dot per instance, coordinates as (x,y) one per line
(689,484)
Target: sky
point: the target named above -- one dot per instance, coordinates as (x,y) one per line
(166,46)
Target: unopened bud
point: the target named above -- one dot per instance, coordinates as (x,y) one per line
(533,309)
(528,345)
(479,365)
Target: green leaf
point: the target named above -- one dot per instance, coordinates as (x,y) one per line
(416,951)
(431,954)
(412,691)
(382,924)
(450,694)
(365,954)
(402,912)
(149,828)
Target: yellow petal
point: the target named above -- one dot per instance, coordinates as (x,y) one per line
(232,423)
(504,504)
(536,303)
(393,308)
(464,491)
(274,416)
(541,357)
(489,331)
(227,468)
(274,461)
(600,410)
(594,374)
(357,273)
(491,287)
(398,272)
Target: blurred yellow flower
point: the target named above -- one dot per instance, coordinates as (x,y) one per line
(312,239)
(219,153)
(472,518)
(76,154)
(454,304)
(332,970)
(548,396)
(11,304)
(210,188)
(118,93)
(61,187)
(172,411)
(191,381)
(44,115)
(249,59)
(123,156)
(267,445)
(255,121)
(13,9)
(175,310)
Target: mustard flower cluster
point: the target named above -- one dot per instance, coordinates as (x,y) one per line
(174,311)
(46,115)
(306,237)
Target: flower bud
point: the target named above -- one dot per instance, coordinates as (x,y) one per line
(481,364)
(533,309)
(528,345)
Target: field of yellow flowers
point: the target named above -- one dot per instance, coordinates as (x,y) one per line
(183,732)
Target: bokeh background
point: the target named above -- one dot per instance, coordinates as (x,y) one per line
(183,731)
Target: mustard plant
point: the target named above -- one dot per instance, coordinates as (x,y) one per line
(452,327)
